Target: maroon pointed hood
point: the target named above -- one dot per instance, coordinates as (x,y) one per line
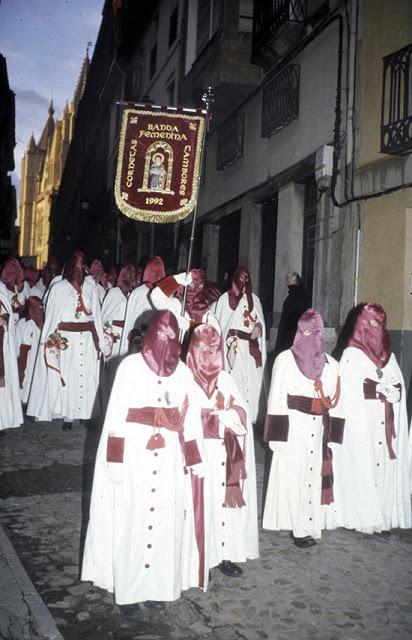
(35,311)
(154,271)
(241,283)
(75,270)
(371,336)
(12,274)
(50,270)
(309,345)
(126,280)
(205,357)
(161,347)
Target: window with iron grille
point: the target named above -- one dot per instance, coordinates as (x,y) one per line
(270,15)
(280,104)
(230,141)
(396,119)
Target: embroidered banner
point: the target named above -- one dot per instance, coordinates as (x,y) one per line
(158,167)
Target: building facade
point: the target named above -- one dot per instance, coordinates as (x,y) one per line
(307,164)
(8,210)
(42,167)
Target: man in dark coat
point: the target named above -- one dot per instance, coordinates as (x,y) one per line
(296,302)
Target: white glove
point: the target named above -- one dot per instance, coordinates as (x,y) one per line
(277,446)
(391,393)
(229,419)
(256,331)
(198,469)
(183,279)
(183,323)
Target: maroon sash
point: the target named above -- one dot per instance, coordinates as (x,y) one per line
(235,461)
(77,327)
(369,393)
(254,349)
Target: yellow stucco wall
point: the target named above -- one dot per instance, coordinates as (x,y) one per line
(386,256)
(384,27)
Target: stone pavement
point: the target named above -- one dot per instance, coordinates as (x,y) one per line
(348,587)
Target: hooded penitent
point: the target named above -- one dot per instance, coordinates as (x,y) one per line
(371,336)
(309,346)
(31,275)
(112,276)
(205,357)
(196,300)
(126,279)
(138,275)
(74,272)
(97,270)
(12,275)
(241,283)
(154,271)
(161,346)
(50,270)
(34,311)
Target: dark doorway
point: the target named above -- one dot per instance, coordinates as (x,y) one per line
(229,234)
(269,222)
(309,235)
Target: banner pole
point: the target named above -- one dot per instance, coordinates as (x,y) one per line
(208,99)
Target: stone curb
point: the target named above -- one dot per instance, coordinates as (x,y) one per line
(17,583)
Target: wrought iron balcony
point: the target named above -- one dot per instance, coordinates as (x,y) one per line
(272,18)
(230,141)
(280,104)
(396,119)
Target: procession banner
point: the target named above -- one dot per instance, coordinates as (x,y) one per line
(159,163)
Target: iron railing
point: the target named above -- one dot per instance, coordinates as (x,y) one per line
(270,15)
(230,141)
(280,103)
(396,118)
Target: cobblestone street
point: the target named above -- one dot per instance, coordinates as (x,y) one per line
(348,587)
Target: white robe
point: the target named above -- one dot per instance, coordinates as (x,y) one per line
(101,292)
(293,497)
(27,333)
(10,405)
(41,286)
(113,309)
(372,491)
(234,531)
(138,312)
(137,522)
(248,377)
(79,363)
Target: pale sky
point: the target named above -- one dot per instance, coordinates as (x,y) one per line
(44,43)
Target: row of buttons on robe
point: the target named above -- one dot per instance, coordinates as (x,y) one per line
(81,364)
(151,509)
(223,464)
